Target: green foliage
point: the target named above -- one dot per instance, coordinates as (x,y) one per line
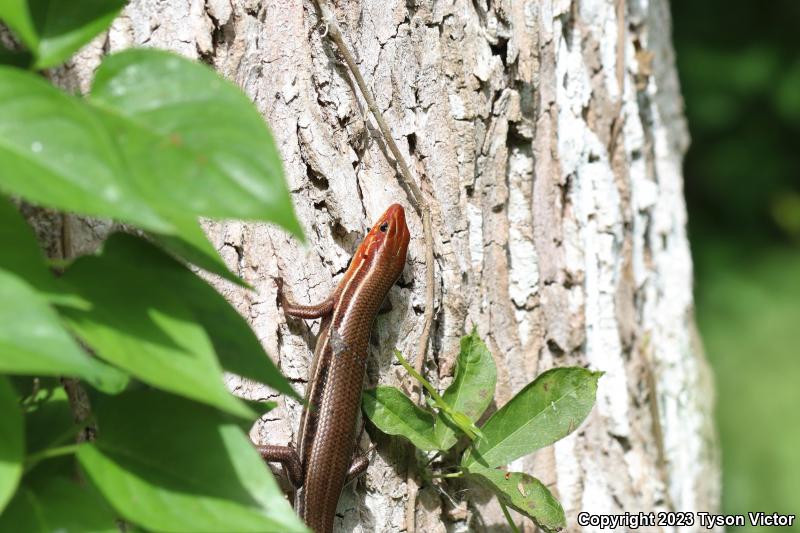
(741,82)
(143,326)
(546,410)
(170,464)
(472,388)
(12,442)
(523,493)
(159,142)
(27,261)
(54,29)
(33,340)
(395,414)
(58,505)
(748,314)
(137,149)
(740,78)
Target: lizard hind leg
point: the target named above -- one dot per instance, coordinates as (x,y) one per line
(288,458)
(357,468)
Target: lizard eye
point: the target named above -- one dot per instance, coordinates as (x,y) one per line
(384,227)
(369,229)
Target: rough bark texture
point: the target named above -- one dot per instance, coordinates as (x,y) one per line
(548,135)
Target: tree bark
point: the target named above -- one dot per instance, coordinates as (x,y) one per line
(548,137)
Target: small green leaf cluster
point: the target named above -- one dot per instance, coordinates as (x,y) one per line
(158,142)
(544,411)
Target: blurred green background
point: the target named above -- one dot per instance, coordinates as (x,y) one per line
(739,63)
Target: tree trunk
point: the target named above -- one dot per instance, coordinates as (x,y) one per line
(548,136)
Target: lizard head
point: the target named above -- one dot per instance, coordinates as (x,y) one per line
(386,243)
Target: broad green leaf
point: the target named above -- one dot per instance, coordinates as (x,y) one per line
(544,411)
(55,29)
(473,385)
(33,341)
(143,324)
(199,135)
(161,141)
(262,407)
(12,441)
(395,414)
(14,58)
(168,464)
(57,151)
(57,504)
(191,245)
(49,422)
(237,347)
(235,343)
(456,418)
(522,493)
(23,257)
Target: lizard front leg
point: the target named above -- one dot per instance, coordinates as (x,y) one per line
(296,310)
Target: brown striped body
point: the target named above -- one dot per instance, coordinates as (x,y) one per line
(328,432)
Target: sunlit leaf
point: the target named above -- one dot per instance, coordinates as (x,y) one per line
(169,464)
(473,385)
(544,411)
(161,141)
(395,414)
(202,140)
(33,341)
(144,324)
(55,29)
(23,257)
(523,493)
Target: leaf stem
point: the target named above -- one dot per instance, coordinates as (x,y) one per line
(510,520)
(35,458)
(450,475)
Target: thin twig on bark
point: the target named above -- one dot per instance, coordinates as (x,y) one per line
(419,203)
(76,394)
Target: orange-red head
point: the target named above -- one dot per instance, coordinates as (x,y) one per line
(386,244)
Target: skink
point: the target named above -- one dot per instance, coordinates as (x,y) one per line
(323,460)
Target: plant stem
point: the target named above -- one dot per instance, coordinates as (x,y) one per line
(510,520)
(419,202)
(48,453)
(450,475)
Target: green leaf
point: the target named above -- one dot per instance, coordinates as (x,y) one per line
(168,464)
(56,504)
(199,136)
(236,345)
(456,418)
(14,58)
(395,414)
(55,29)
(142,323)
(33,341)
(24,258)
(57,151)
(161,141)
(192,245)
(49,421)
(544,411)
(12,441)
(472,388)
(522,493)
